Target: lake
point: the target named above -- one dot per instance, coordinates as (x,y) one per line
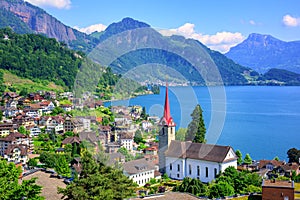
(263,121)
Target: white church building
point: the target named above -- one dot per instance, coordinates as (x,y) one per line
(186,159)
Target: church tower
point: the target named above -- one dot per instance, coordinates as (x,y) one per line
(166,133)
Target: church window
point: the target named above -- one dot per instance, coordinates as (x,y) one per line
(171,166)
(190,169)
(216,172)
(206,171)
(198,170)
(178,167)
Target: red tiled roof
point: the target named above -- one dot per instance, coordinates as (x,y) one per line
(263,163)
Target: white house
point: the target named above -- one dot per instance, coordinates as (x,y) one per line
(35,131)
(140,171)
(16,153)
(197,160)
(126,140)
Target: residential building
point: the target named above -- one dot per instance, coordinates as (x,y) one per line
(16,153)
(73,125)
(140,171)
(278,190)
(71,140)
(126,140)
(35,131)
(6,128)
(13,138)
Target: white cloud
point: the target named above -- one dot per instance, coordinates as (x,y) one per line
(92,28)
(221,41)
(252,22)
(61,4)
(288,20)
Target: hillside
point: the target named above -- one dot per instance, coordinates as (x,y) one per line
(38,58)
(23,17)
(232,73)
(283,76)
(263,52)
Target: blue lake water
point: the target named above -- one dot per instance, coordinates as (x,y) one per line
(261,120)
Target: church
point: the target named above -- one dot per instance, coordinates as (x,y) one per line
(186,159)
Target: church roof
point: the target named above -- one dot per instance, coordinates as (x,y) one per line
(167,118)
(199,151)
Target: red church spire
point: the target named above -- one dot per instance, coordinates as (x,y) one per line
(167,115)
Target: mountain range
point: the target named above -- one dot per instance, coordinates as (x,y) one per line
(264,52)
(23,17)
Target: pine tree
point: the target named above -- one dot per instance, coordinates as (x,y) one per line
(240,157)
(247,159)
(196,128)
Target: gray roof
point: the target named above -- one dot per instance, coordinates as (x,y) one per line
(198,151)
(138,166)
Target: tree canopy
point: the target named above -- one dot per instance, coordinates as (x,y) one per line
(97,181)
(196,129)
(10,189)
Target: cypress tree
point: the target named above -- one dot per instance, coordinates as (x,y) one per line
(196,128)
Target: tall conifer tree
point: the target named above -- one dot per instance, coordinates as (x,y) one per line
(196,128)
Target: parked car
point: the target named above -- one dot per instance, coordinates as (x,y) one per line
(68,180)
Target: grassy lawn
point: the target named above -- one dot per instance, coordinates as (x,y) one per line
(21,83)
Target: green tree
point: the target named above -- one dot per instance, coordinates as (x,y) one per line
(22,130)
(221,189)
(138,137)
(240,157)
(193,186)
(62,166)
(248,159)
(293,155)
(32,162)
(10,188)
(124,151)
(57,110)
(181,134)
(97,181)
(196,129)
(276,158)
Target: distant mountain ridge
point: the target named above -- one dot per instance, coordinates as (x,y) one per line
(24,17)
(263,52)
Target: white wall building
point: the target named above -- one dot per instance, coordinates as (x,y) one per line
(140,171)
(197,160)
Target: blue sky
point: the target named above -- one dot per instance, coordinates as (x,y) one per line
(219,24)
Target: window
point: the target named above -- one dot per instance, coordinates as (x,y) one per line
(177,175)
(216,172)
(178,167)
(170,166)
(198,170)
(206,172)
(190,169)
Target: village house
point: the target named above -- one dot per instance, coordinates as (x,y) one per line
(50,95)
(7,128)
(140,171)
(91,138)
(13,138)
(66,107)
(9,96)
(35,131)
(115,158)
(16,153)
(86,122)
(23,120)
(278,190)
(71,140)
(55,123)
(126,140)
(11,104)
(106,130)
(146,126)
(11,112)
(73,125)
